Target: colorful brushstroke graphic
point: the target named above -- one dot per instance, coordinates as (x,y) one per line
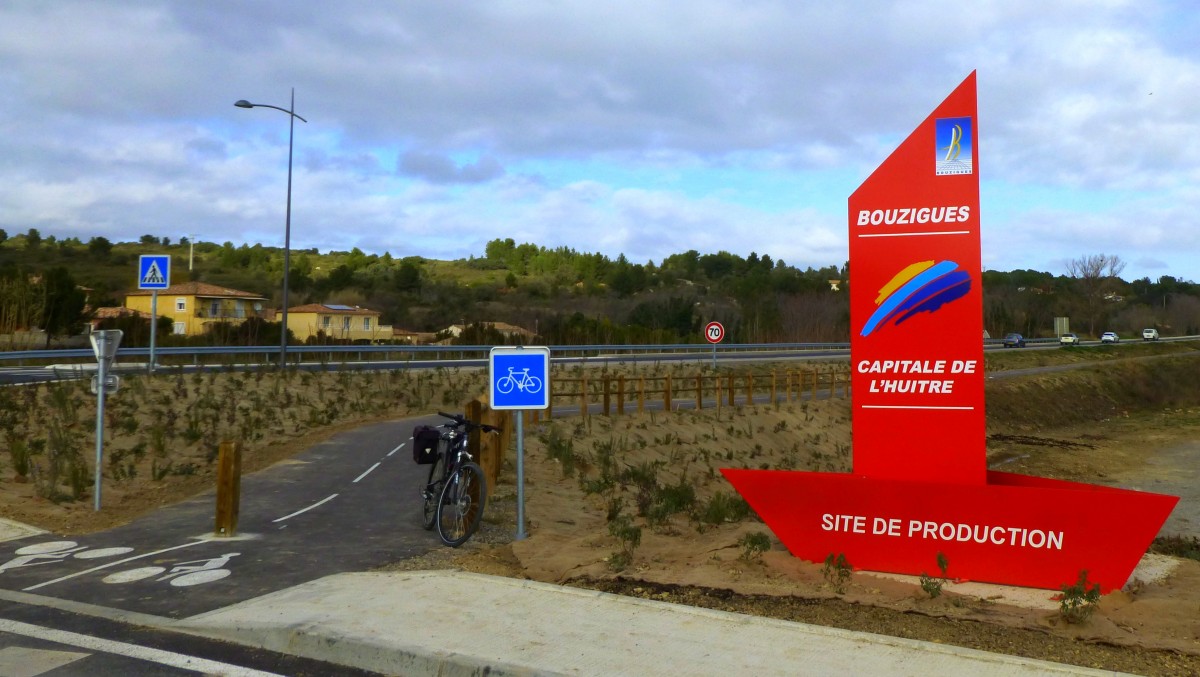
(922,287)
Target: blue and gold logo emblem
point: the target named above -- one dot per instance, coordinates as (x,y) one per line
(953,150)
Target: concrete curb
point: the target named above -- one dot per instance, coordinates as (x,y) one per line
(455,623)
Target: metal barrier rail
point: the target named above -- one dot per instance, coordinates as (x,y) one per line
(354,353)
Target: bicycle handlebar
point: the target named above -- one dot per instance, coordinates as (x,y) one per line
(463,421)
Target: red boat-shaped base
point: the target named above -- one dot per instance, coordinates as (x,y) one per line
(1015,530)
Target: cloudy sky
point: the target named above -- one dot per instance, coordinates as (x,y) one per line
(635,127)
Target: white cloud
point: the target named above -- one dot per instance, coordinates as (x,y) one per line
(437,126)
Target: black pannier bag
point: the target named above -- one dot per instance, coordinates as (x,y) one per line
(425,444)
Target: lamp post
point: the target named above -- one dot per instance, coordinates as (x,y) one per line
(287,228)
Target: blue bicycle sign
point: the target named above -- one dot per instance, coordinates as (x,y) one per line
(519,377)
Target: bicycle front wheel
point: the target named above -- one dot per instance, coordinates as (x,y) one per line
(461,506)
(431,492)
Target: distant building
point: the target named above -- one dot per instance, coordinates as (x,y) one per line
(509,330)
(195,306)
(412,337)
(349,323)
(113,313)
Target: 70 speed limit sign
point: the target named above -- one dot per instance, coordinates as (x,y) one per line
(714,332)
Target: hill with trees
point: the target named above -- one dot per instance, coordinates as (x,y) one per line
(562,295)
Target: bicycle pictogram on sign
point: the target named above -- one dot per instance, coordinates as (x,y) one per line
(523,382)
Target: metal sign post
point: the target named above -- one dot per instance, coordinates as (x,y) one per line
(154,273)
(104,344)
(519,379)
(714,332)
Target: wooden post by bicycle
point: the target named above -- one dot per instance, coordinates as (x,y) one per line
(229,488)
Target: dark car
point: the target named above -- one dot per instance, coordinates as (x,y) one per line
(1014,341)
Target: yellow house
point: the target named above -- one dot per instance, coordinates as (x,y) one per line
(350,323)
(194,306)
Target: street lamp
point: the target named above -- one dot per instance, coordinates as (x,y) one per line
(287,228)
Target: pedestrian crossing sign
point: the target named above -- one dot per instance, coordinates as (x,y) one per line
(154,271)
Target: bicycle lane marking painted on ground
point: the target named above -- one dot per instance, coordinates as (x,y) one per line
(366,472)
(109,565)
(325,500)
(318,504)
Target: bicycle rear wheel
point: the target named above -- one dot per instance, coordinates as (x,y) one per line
(461,506)
(431,492)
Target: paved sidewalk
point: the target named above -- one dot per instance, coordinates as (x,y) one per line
(454,623)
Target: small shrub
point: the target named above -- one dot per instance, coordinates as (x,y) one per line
(933,586)
(754,544)
(1078,601)
(723,507)
(836,572)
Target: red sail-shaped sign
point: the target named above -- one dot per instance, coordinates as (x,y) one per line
(920,489)
(916,305)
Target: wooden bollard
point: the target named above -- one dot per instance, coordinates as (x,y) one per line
(229,488)
(667,394)
(730,390)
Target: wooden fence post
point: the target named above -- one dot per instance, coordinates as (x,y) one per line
(749,389)
(620,394)
(814,385)
(717,392)
(583,398)
(730,393)
(641,394)
(229,487)
(774,400)
(699,392)
(667,394)
(607,410)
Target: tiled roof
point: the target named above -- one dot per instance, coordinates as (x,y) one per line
(333,310)
(111,312)
(200,289)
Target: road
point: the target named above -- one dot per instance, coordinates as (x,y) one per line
(348,504)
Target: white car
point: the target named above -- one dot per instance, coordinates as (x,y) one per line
(1069,340)
(1150,334)
(1109,337)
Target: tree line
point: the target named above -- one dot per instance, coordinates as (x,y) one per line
(562,295)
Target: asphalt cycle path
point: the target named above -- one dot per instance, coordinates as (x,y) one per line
(351,503)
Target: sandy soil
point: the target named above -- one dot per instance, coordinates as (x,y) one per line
(1152,627)
(593,483)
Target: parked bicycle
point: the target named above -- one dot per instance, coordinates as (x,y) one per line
(454,495)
